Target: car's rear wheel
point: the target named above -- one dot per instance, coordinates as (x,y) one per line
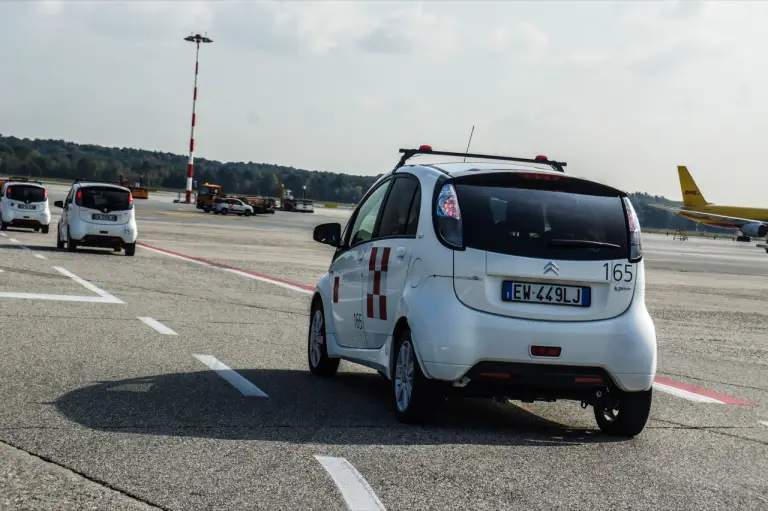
(248,212)
(320,363)
(3,226)
(416,396)
(45,229)
(71,244)
(629,417)
(130,249)
(59,241)
(224,211)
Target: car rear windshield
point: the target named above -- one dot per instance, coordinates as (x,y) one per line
(101,198)
(25,193)
(567,218)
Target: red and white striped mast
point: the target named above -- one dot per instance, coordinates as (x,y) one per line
(197,39)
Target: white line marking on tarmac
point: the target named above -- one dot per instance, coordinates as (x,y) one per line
(690,396)
(3,235)
(157,326)
(13,240)
(764,423)
(245,387)
(356,491)
(103,294)
(40,256)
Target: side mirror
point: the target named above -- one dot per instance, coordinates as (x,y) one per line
(329,234)
(59,204)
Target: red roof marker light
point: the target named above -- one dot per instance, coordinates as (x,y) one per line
(425,147)
(541,157)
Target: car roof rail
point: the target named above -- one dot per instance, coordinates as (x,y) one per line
(22,180)
(427,149)
(98,182)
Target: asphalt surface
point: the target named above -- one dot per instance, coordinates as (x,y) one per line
(102,411)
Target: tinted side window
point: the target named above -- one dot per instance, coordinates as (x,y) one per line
(396,212)
(362,230)
(413,215)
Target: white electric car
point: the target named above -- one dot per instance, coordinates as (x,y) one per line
(97,214)
(507,279)
(24,204)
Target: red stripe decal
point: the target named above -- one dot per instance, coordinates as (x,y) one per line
(227,267)
(336,290)
(703,392)
(383,307)
(376,282)
(194,97)
(191,145)
(193,119)
(197,66)
(190,167)
(370,305)
(385,259)
(372,260)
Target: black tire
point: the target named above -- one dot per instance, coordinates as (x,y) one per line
(323,365)
(630,416)
(248,212)
(426,396)
(59,241)
(130,249)
(71,244)
(224,211)
(45,229)
(3,226)
(37,229)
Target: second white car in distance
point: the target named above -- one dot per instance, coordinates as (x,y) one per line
(97,214)
(24,204)
(490,279)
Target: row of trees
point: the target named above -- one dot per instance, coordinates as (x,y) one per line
(66,160)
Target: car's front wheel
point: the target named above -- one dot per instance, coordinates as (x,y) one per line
(320,363)
(416,396)
(59,241)
(629,417)
(71,244)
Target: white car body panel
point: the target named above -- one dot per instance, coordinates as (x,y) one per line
(451,302)
(78,221)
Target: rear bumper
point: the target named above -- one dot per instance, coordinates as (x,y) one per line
(459,341)
(27,219)
(103,235)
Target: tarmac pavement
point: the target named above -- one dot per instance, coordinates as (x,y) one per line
(163,381)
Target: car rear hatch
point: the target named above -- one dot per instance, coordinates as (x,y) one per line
(26,197)
(540,245)
(104,205)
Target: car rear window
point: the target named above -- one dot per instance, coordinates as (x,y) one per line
(513,215)
(101,198)
(25,193)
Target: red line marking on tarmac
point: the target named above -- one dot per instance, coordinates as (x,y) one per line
(722,398)
(227,267)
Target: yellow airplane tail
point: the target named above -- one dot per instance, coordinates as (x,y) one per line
(692,196)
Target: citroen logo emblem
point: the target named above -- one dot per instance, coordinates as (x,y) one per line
(551,267)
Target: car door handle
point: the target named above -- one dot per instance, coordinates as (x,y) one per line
(400,252)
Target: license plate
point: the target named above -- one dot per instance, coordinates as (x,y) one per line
(109,218)
(547,294)
(26,206)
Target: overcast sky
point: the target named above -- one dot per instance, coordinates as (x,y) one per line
(624,92)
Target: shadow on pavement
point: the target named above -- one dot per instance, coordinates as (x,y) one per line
(52,248)
(350,408)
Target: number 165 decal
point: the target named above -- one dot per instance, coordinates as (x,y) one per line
(621,272)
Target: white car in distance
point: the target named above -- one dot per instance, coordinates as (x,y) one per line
(24,204)
(97,214)
(508,279)
(234,206)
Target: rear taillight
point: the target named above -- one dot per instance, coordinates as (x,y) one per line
(130,201)
(633,228)
(448,217)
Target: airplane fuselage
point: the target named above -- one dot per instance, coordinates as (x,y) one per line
(757,214)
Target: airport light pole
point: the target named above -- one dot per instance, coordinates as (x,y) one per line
(197,39)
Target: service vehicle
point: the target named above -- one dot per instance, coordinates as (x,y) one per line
(97,214)
(291,203)
(208,193)
(24,204)
(234,206)
(506,279)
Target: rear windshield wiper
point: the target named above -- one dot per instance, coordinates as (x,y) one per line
(581,244)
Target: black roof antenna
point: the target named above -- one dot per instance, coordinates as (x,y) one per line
(470,141)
